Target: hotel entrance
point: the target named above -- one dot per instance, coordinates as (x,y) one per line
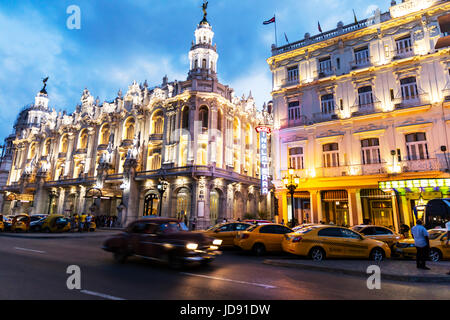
(377,208)
(335,209)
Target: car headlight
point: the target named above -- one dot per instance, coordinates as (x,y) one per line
(192,246)
(217,242)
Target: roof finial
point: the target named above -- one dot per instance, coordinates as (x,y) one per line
(45,85)
(205,14)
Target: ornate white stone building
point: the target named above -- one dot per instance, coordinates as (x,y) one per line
(360,105)
(109,158)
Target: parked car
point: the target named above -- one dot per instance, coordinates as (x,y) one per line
(437,213)
(2,225)
(165,240)
(323,241)
(7,222)
(255,221)
(52,223)
(378,233)
(227,231)
(301,226)
(20,223)
(262,238)
(439,250)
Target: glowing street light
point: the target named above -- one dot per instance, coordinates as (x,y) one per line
(291,182)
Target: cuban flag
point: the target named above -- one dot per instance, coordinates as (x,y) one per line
(269,21)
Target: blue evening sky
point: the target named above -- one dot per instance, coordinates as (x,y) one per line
(125,40)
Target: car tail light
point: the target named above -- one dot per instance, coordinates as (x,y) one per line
(297,239)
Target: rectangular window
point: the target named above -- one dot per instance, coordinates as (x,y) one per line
(362,56)
(330,155)
(338,63)
(296,158)
(327,102)
(325,65)
(403,46)
(370,149)
(365,96)
(409,88)
(416,146)
(292,74)
(294,110)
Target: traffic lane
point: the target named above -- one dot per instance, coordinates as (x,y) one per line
(234,275)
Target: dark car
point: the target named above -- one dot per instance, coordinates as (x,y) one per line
(163,239)
(437,213)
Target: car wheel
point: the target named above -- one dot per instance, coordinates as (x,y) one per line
(317,254)
(120,256)
(377,254)
(435,255)
(259,249)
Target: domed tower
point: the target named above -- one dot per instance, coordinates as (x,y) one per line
(203,55)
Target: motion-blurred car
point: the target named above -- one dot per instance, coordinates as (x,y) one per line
(301,226)
(2,225)
(256,221)
(227,232)
(52,223)
(20,223)
(262,238)
(378,233)
(323,241)
(163,239)
(439,250)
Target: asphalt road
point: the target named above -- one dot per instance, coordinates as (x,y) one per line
(36,269)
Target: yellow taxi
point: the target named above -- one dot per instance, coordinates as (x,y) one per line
(227,232)
(262,238)
(2,225)
(55,223)
(20,223)
(378,233)
(439,249)
(326,241)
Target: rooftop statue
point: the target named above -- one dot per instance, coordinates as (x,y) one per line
(45,85)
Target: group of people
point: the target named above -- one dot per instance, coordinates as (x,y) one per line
(104,221)
(81,222)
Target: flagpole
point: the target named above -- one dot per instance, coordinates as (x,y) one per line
(276,41)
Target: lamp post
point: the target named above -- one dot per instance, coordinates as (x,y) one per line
(291,182)
(444,150)
(162,187)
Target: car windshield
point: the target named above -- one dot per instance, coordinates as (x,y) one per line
(434,234)
(252,228)
(357,228)
(304,230)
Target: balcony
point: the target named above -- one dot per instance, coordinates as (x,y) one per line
(156,137)
(125,143)
(361,63)
(289,123)
(81,151)
(289,82)
(403,53)
(102,147)
(419,100)
(322,117)
(421,165)
(326,73)
(364,109)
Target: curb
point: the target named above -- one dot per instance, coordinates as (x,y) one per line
(43,236)
(384,276)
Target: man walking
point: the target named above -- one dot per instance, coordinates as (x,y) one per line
(422,242)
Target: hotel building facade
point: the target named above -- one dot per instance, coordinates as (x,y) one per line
(194,139)
(362,115)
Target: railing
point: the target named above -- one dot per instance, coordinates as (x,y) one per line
(156,136)
(403,53)
(81,151)
(321,37)
(322,117)
(290,82)
(125,143)
(102,147)
(366,108)
(361,63)
(326,73)
(421,165)
(419,100)
(287,123)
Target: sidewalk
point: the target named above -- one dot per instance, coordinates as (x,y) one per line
(397,270)
(99,233)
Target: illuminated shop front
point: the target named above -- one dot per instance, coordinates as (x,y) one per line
(413,195)
(335,208)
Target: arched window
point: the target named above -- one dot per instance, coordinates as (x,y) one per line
(32,152)
(64,144)
(196,64)
(203,118)
(157,123)
(219,120)
(129,129)
(47,147)
(104,134)
(204,64)
(83,140)
(185,118)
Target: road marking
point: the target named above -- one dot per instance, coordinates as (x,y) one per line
(31,250)
(230,280)
(101,295)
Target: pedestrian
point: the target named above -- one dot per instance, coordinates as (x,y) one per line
(447,225)
(82,222)
(224,220)
(422,243)
(194,223)
(239,219)
(282,222)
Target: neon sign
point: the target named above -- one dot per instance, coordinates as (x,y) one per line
(264,167)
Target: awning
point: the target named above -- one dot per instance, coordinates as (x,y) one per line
(444,23)
(374,193)
(335,195)
(443,42)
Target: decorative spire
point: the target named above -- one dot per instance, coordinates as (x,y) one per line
(43,91)
(205,13)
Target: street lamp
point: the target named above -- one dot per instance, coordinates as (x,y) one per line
(444,150)
(291,182)
(162,187)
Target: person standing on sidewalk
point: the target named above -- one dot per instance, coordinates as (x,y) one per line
(447,225)
(422,242)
